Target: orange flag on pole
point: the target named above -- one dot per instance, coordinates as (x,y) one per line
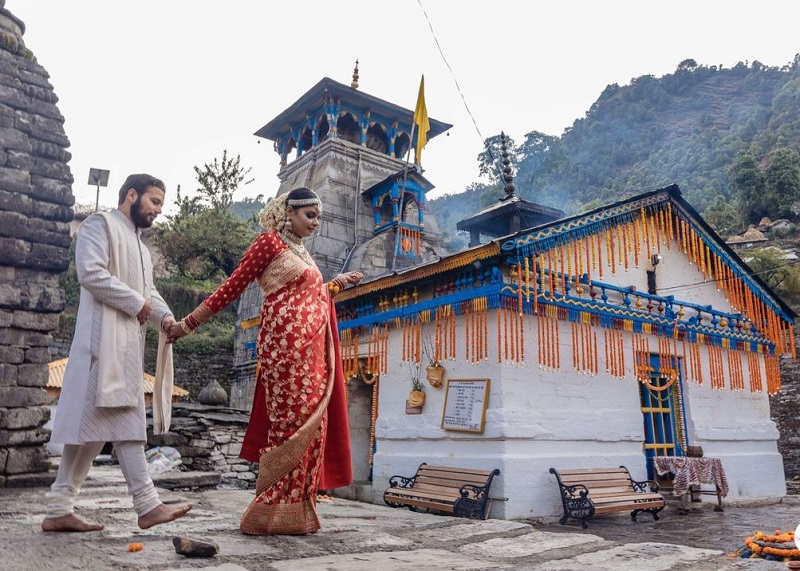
(421,121)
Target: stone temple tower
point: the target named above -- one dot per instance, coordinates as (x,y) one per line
(35,210)
(350,148)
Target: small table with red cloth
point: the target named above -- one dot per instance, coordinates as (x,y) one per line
(690,473)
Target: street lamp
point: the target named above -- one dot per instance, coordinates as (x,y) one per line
(98,177)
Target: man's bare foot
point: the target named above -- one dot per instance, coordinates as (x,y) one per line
(163,514)
(70,522)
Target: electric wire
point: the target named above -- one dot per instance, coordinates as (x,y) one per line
(458,88)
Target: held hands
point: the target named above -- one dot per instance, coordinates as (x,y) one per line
(173,329)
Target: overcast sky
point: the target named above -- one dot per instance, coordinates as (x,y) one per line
(160,86)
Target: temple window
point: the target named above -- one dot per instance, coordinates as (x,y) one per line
(290,145)
(306,139)
(348,129)
(377,139)
(386,210)
(401,145)
(410,209)
(322,128)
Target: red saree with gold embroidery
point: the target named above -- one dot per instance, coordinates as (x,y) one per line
(298,429)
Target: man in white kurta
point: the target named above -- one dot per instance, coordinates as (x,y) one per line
(102,396)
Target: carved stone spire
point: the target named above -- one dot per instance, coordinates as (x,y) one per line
(508,178)
(354,83)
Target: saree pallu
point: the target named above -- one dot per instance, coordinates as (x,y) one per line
(298,379)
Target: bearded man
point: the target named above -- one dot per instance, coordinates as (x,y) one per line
(102,397)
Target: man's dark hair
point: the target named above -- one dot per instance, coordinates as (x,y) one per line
(140,183)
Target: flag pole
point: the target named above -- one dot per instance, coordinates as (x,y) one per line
(402,196)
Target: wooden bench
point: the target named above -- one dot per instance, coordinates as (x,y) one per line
(459,491)
(593,491)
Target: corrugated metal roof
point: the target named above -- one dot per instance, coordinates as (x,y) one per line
(58,367)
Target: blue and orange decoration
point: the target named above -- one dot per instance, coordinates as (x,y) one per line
(556,273)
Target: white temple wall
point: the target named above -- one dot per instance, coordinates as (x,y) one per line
(537,419)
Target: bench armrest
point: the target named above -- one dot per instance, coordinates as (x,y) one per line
(473,491)
(402,481)
(574,491)
(645,485)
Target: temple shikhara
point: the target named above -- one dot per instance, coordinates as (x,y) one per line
(606,338)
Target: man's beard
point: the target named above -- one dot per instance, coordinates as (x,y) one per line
(139,219)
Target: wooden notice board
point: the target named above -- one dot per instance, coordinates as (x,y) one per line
(465,404)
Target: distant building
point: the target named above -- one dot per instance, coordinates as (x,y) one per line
(752,238)
(56,377)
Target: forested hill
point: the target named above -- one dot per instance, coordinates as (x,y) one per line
(729,137)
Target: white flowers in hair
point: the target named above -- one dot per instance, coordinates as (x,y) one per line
(273,216)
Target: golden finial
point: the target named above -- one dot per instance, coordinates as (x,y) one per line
(354,83)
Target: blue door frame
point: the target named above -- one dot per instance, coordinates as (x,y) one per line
(664,423)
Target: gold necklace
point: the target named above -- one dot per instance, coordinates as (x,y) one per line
(295,244)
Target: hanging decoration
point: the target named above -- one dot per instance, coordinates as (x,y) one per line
(754,373)
(584,347)
(556,274)
(615,352)
(548,339)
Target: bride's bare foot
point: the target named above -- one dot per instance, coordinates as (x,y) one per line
(70,522)
(163,514)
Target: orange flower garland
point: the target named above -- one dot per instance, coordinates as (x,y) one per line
(780,544)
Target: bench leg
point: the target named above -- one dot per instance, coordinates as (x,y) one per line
(651,511)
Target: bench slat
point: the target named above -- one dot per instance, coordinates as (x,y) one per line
(459,471)
(417,490)
(428,504)
(414,493)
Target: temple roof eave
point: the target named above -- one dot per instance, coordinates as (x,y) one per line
(571,225)
(497,211)
(422,271)
(413,173)
(312,101)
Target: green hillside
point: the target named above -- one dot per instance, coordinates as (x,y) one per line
(727,136)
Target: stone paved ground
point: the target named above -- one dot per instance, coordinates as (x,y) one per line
(365,537)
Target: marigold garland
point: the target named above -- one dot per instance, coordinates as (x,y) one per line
(778,546)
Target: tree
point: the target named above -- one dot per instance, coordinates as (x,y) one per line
(779,273)
(490,161)
(747,183)
(205,239)
(783,183)
(724,215)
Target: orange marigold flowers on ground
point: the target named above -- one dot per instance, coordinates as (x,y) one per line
(780,544)
(132,547)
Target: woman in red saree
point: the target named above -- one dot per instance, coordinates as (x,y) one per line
(298,429)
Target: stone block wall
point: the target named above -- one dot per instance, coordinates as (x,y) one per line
(209,439)
(785,411)
(35,210)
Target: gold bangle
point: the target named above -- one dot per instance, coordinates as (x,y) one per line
(185,327)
